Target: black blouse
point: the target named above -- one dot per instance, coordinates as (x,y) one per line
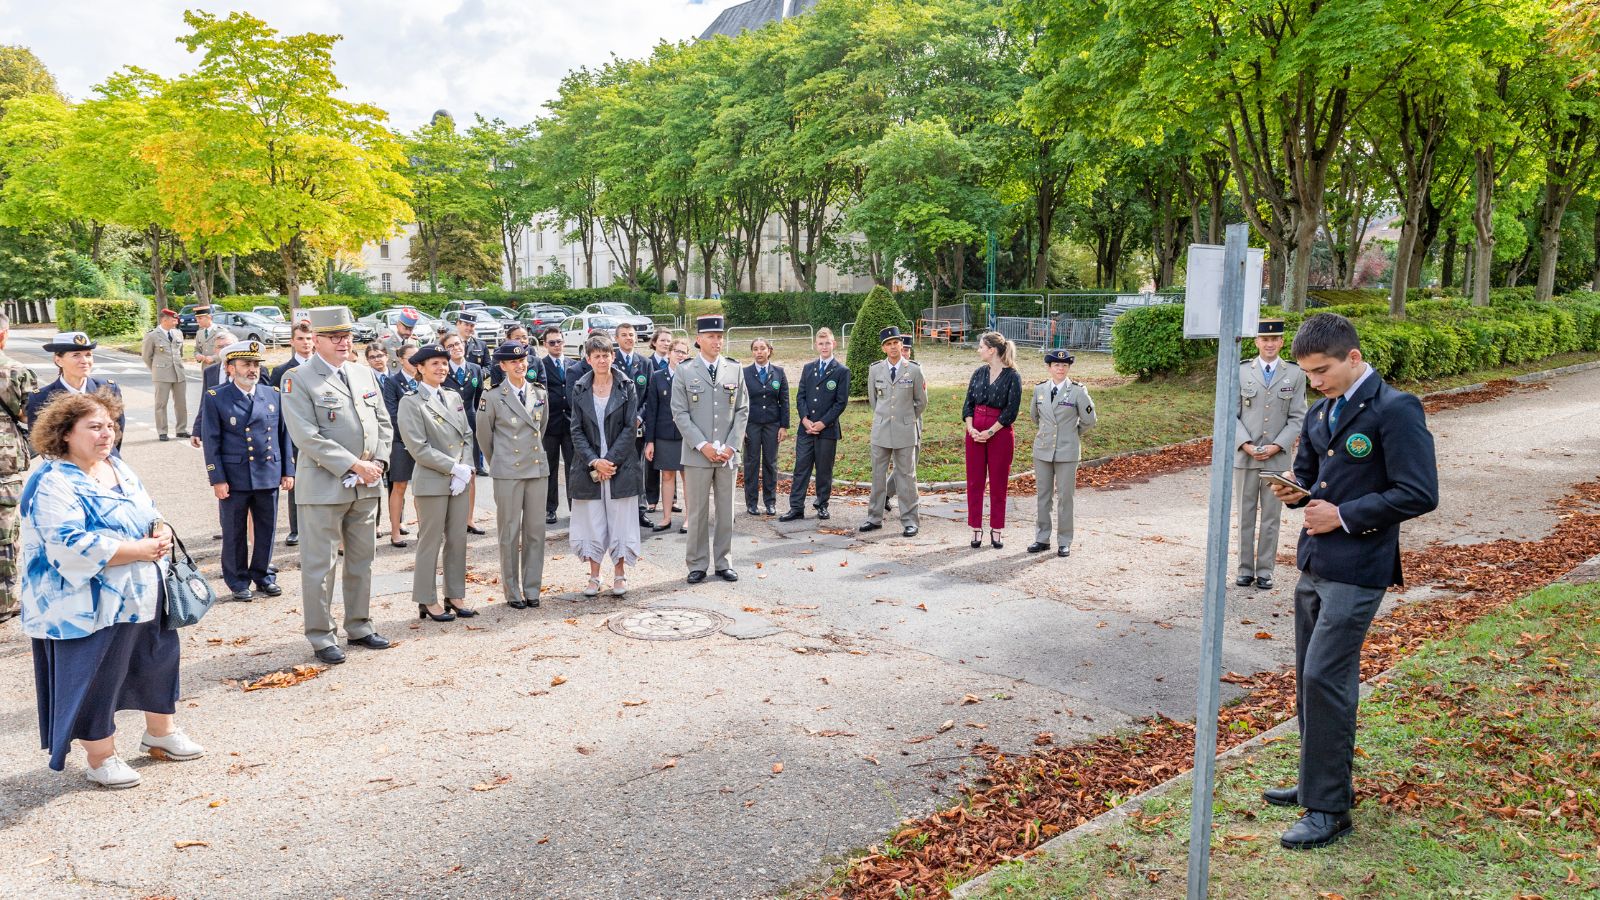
(1004,394)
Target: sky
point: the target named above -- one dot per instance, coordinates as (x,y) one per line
(501,58)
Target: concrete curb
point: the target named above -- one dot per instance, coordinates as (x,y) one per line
(1585,572)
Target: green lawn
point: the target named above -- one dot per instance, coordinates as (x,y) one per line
(1483,744)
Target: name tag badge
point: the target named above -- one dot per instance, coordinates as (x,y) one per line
(369,395)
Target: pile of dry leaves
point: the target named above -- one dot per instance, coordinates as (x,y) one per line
(1020,802)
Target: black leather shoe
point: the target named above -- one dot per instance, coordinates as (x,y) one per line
(822,513)
(164,437)
(483,473)
(1038,547)
(1264,583)
(1317,829)
(750,508)
(460,613)
(657,529)
(373,641)
(869,526)
(645,521)
(330,655)
(1286,796)
(791,515)
(271,589)
(516,604)
(183,434)
(697,576)
(293,540)
(772,509)
(1244,580)
(243,595)
(473,529)
(677,508)
(549,518)
(727,575)
(399,545)
(534,603)
(1064,551)
(909,531)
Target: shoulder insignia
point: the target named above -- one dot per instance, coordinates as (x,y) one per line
(211,391)
(483,404)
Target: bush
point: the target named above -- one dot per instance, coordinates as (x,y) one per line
(98,317)
(878,311)
(1149,340)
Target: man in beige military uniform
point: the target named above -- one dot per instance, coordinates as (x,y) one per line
(1272,410)
(17,383)
(511,424)
(342,433)
(897,395)
(404,330)
(1062,410)
(711,409)
(206,349)
(163,356)
(433,423)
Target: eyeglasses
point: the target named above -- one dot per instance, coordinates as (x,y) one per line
(552,343)
(340,338)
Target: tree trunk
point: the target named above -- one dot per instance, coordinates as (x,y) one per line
(158,274)
(233,273)
(708,253)
(1549,253)
(1277,254)
(1447,265)
(1594,283)
(291,276)
(1299,274)
(1483,173)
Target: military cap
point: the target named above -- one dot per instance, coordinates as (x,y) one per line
(468,316)
(202,310)
(409,317)
(169,313)
(427,352)
(1270,326)
(892,333)
(1052,357)
(708,324)
(70,341)
(242,350)
(331,319)
(510,351)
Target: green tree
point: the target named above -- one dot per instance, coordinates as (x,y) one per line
(465,251)
(448,193)
(509,185)
(23,75)
(878,311)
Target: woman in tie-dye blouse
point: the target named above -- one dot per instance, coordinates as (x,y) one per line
(92,593)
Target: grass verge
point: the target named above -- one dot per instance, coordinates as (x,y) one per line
(1477,775)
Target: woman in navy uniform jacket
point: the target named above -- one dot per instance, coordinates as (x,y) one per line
(1366,461)
(74,357)
(663,443)
(768,389)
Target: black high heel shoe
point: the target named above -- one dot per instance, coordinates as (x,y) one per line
(462,613)
(977,539)
(424,613)
(994,539)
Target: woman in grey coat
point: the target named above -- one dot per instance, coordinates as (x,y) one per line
(605,479)
(433,421)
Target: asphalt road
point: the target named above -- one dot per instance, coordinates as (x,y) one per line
(539,753)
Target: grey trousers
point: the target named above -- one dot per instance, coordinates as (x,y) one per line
(1258,550)
(710,545)
(904,479)
(1330,623)
(179,392)
(326,527)
(520,529)
(441,526)
(1057,481)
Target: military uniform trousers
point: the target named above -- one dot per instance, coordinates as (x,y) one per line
(904,479)
(10,545)
(761,462)
(520,529)
(178,391)
(1258,546)
(710,544)
(812,452)
(557,444)
(441,528)
(247,551)
(1330,624)
(1057,484)
(325,527)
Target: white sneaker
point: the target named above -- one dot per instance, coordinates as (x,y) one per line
(175,747)
(113,773)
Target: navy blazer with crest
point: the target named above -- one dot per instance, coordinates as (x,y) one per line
(657,410)
(816,401)
(1378,467)
(769,399)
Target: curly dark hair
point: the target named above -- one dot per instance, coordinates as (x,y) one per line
(61,415)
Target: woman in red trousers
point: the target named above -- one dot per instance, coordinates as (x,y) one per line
(993,396)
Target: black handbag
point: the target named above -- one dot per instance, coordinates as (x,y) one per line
(188,594)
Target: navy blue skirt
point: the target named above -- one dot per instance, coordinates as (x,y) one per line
(82,683)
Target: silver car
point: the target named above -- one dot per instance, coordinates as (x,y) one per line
(249,326)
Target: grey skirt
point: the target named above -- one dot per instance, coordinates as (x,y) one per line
(669,456)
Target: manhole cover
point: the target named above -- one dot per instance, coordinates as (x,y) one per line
(678,623)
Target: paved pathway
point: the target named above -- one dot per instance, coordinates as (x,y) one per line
(454,765)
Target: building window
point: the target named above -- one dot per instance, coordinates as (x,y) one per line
(538,240)
(383,249)
(387,279)
(541,271)
(611,269)
(416,287)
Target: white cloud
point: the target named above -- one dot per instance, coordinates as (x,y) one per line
(496,57)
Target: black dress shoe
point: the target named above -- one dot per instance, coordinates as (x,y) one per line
(534,603)
(423,612)
(657,529)
(404,530)
(772,509)
(791,515)
(697,576)
(293,540)
(822,513)
(1064,551)
(373,641)
(183,434)
(483,473)
(1244,580)
(1317,829)
(164,437)
(1038,547)
(869,526)
(271,589)
(682,529)
(1287,796)
(750,509)
(473,529)
(727,575)
(1264,583)
(549,518)
(243,595)
(400,545)
(460,613)
(516,604)
(909,531)
(645,521)
(330,655)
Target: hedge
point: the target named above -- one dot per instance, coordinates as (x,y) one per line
(1440,337)
(98,317)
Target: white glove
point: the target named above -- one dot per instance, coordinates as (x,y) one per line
(460,476)
(349,480)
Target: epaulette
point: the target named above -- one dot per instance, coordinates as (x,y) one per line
(483,403)
(211,391)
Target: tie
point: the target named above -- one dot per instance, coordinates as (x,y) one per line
(1268,371)
(713,368)
(522,397)
(1053,390)
(344,377)
(893,370)
(1333,417)
(761,374)
(560,372)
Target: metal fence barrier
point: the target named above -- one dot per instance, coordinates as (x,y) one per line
(788,341)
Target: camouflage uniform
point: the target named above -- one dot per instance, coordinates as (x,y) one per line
(17,382)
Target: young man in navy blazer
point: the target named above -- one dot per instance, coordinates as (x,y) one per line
(820,400)
(1366,462)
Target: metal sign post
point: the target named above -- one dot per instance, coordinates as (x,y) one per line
(1224,425)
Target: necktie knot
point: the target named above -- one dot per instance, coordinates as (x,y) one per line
(1333,418)
(1053,390)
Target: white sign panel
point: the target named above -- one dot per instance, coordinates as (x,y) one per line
(1202,302)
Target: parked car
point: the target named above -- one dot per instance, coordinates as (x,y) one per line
(270,312)
(539,315)
(383,321)
(576,329)
(186,320)
(249,326)
(491,332)
(622,312)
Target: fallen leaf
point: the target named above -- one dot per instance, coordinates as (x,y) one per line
(970,699)
(543,840)
(218,802)
(559,679)
(1263,635)
(181,845)
(948,724)
(570,621)
(777,768)
(584,750)
(284,678)
(922,606)
(872,759)
(491,784)
(830,733)
(751,609)
(634,702)
(669,764)
(843,563)
(976,725)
